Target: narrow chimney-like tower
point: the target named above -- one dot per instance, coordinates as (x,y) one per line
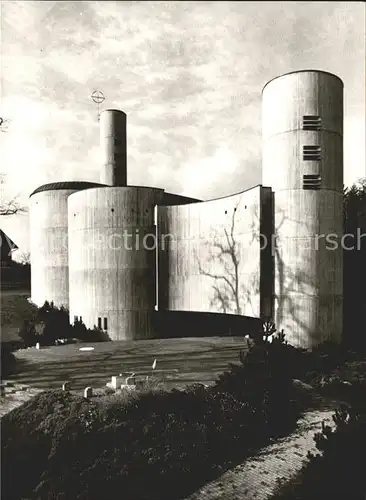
(113,144)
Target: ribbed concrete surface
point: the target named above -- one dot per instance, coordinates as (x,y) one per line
(49,241)
(210,255)
(112,258)
(257,478)
(308,222)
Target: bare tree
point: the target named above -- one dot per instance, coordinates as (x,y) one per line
(230,292)
(10,206)
(24,258)
(226,284)
(3,124)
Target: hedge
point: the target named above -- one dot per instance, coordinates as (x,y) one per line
(161,445)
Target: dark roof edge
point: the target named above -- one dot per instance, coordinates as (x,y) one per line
(114,110)
(223,197)
(77,185)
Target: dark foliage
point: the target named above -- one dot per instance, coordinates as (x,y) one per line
(52,323)
(338,472)
(79,331)
(15,274)
(354,267)
(324,359)
(265,380)
(173,440)
(8,360)
(27,434)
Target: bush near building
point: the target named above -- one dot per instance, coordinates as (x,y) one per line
(175,441)
(8,360)
(338,471)
(354,266)
(51,323)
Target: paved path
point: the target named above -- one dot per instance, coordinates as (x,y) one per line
(14,395)
(257,478)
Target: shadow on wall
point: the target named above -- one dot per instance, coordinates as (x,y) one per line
(230,294)
(297,282)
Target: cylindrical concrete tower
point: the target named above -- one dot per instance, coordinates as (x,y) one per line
(113,144)
(49,241)
(302,118)
(112,259)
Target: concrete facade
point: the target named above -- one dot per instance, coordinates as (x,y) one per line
(49,242)
(113,146)
(216,257)
(302,110)
(210,255)
(112,256)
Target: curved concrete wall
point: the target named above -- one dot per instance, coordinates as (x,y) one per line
(49,243)
(308,222)
(210,257)
(113,144)
(111,271)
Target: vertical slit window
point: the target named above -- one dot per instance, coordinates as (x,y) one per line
(311,122)
(100,323)
(311,153)
(105,324)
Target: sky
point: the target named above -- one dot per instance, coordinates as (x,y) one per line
(188,75)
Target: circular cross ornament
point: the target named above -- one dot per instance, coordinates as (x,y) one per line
(98,97)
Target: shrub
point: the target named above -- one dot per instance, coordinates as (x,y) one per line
(174,440)
(55,325)
(265,381)
(27,439)
(354,267)
(8,360)
(28,334)
(15,309)
(338,471)
(79,331)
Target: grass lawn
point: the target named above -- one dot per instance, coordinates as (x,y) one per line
(182,361)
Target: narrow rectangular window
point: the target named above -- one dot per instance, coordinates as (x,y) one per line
(311,181)
(100,323)
(81,319)
(311,122)
(311,153)
(105,324)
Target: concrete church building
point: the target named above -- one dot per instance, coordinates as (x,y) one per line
(116,255)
